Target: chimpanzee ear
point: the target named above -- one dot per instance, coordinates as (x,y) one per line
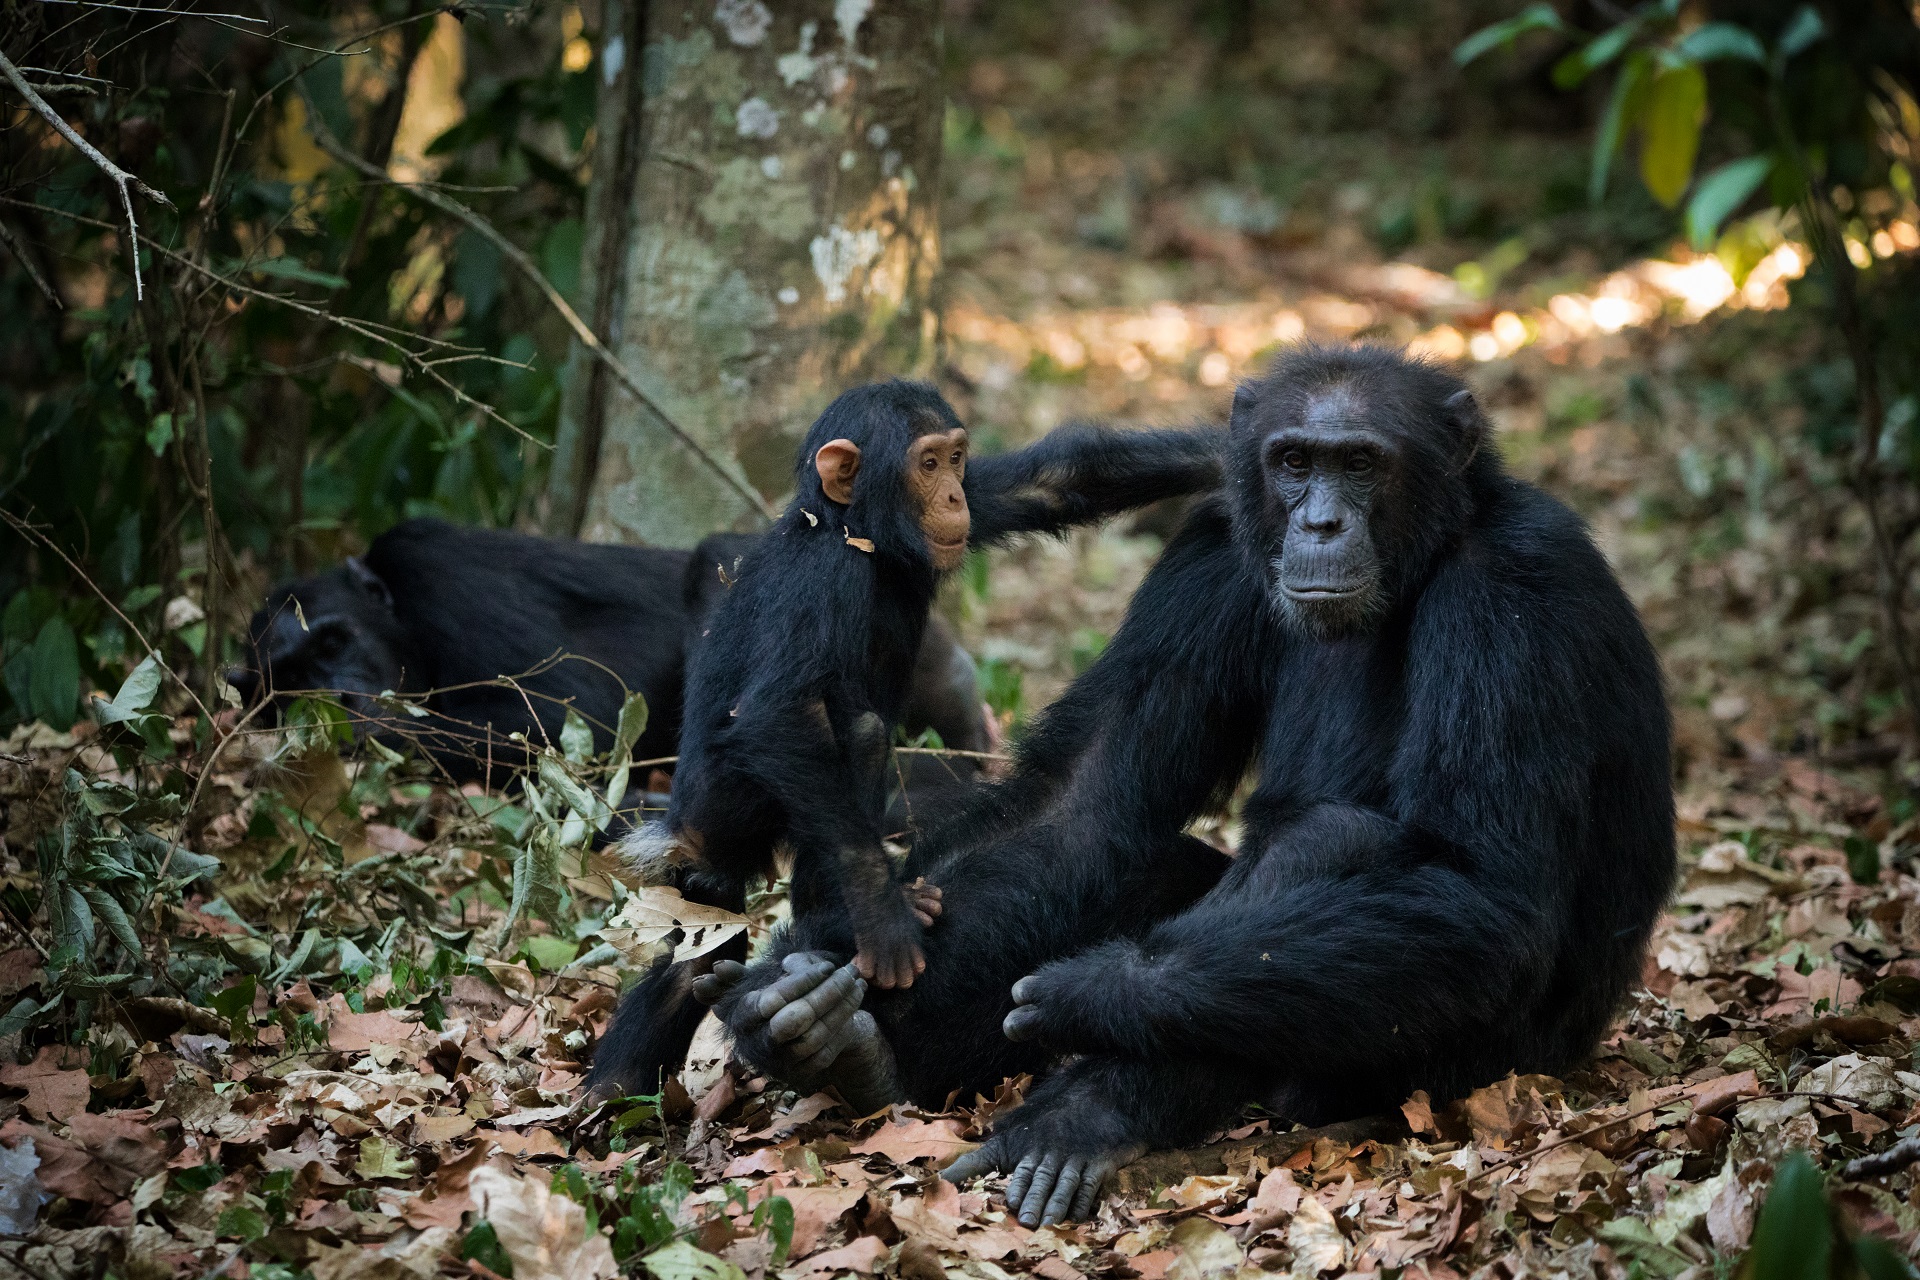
(1469,424)
(1244,397)
(369,581)
(838,462)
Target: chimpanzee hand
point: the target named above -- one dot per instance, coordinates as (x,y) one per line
(888,940)
(1061,1146)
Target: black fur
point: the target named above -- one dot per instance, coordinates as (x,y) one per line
(1461,834)
(432,606)
(812,648)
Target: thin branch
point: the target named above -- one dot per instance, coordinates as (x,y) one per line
(20,251)
(120,177)
(514,254)
(158,13)
(386,335)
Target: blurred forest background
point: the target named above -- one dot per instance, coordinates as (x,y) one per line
(1676,249)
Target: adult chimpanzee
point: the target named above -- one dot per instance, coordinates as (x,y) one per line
(792,697)
(439,610)
(1462,831)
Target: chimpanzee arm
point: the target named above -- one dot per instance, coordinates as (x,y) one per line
(1159,728)
(1078,474)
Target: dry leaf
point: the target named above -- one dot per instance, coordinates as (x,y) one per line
(651,915)
(54,1091)
(815,1210)
(858,544)
(1201,1191)
(1419,1112)
(544,1234)
(863,1254)
(1274,1203)
(1315,1240)
(903,1141)
(1202,1249)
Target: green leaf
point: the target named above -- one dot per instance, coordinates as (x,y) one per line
(110,913)
(1535,17)
(1793,1239)
(1720,193)
(483,1246)
(633,723)
(1863,860)
(242,1222)
(1720,40)
(1599,51)
(235,1004)
(1805,27)
(576,739)
(554,775)
(681,1261)
(293,269)
(775,1216)
(160,433)
(55,687)
(136,694)
(1670,131)
(1880,1260)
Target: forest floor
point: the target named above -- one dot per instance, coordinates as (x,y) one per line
(383,1074)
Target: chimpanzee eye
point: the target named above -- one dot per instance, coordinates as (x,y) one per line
(1294,460)
(929,463)
(1360,463)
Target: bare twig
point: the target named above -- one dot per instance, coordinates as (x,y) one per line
(120,177)
(20,251)
(514,254)
(159,13)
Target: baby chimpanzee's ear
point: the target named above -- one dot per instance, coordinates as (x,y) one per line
(838,462)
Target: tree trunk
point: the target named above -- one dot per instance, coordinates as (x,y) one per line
(762,233)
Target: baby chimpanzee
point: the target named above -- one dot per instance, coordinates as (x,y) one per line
(792,697)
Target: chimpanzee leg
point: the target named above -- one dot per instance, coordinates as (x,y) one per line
(1005,912)
(654,1025)
(1345,943)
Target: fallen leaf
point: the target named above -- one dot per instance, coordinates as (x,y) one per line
(1202,1249)
(1715,1096)
(653,914)
(398,1259)
(815,1210)
(54,1090)
(1274,1203)
(545,1235)
(903,1141)
(1315,1240)
(863,1254)
(1201,1191)
(1419,1112)
(677,1261)
(532,1144)
(349,1032)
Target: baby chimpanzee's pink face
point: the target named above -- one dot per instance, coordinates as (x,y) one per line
(936,468)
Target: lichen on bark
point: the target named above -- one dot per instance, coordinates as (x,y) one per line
(762,233)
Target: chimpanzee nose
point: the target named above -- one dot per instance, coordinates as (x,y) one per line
(1327,524)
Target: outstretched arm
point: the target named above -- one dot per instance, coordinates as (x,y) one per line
(1079,474)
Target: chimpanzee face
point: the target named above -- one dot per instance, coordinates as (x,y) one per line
(1327,474)
(335,632)
(936,468)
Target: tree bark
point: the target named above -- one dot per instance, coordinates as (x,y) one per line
(762,232)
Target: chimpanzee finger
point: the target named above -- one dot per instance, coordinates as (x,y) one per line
(710,988)
(990,1157)
(1065,1191)
(1045,1176)
(809,1009)
(1023,1023)
(1090,1184)
(1022,1179)
(826,1030)
(768,1001)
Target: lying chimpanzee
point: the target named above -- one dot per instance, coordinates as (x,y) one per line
(792,699)
(1462,832)
(435,607)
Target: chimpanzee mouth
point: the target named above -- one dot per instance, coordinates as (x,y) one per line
(1318,591)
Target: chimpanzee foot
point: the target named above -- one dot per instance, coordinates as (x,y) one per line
(1050,1183)
(1028,1021)
(924,901)
(808,1030)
